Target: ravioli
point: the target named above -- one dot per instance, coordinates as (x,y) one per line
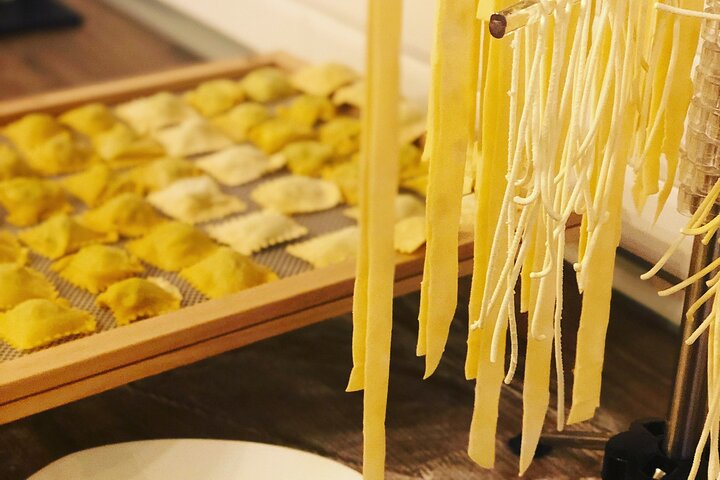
(120,146)
(306,157)
(89,119)
(195,200)
(342,134)
(62,153)
(406,205)
(410,234)
(256,231)
(127,214)
(237,122)
(10,249)
(193,137)
(352,95)
(296,194)
(136,298)
(416,184)
(307,110)
(226,271)
(172,246)
(266,85)
(19,283)
(60,235)
(238,165)
(29,200)
(149,114)
(96,267)
(323,80)
(273,134)
(214,97)
(345,176)
(97,184)
(160,173)
(11,165)
(38,322)
(411,164)
(328,249)
(32,130)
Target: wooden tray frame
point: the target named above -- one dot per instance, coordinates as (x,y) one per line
(93,364)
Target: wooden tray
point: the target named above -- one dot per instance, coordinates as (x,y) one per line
(89,365)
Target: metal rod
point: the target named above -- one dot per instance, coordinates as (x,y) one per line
(688,405)
(514,17)
(575,440)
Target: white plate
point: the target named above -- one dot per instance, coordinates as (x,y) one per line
(194,460)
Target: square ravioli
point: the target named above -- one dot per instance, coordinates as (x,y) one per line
(239,120)
(38,322)
(62,153)
(127,214)
(352,95)
(32,130)
(238,165)
(195,200)
(308,157)
(160,173)
(224,272)
(10,249)
(273,134)
(342,134)
(266,84)
(89,119)
(29,200)
(148,114)
(410,234)
(120,146)
(328,249)
(19,283)
(307,110)
(11,165)
(295,194)
(324,79)
(214,97)
(60,235)
(136,298)
(97,184)
(346,176)
(96,267)
(193,137)
(258,230)
(172,246)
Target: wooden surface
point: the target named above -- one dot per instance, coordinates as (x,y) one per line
(289,390)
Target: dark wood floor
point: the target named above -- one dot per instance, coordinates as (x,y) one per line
(289,390)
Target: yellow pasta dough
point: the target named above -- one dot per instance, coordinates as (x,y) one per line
(214,97)
(11,165)
(148,114)
(296,194)
(38,322)
(328,249)
(323,80)
(96,267)
(162,172)
(352,95)
(273,134)
(19,283)
(172,246)
(410,234)
(239,165)
(97,184)
(406,205)
(345,176)
(29,200)
(307,157)
(62,153)
(32,130)
(253,232)
(120,146)
(307,110)
(411,165)
(60,235)
(192,137)
(136,298)
(10,249)
(89,119)
(418,185)
(266,85)
(195,200)
(342,134)
(127,214)
(237,122)
(226,271)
